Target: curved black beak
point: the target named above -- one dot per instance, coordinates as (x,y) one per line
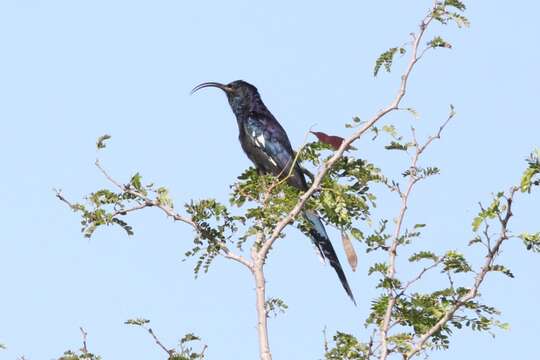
(212,84)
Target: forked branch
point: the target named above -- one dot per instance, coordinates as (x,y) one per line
(326,166)
(479,279)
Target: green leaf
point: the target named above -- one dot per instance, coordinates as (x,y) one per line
(346,347)
(476,239)
(391,130)
(423,255)
(274,306)
(531,241)
(490,213)
(477,221)
(357,234)
(100,143)
(189,337)
(136,182)
(394,145)
(137,322)
(526,180)
(385,59)
(163,197)
(444,13)
(455,3)
(460,20)
(439,42)
(389,283)
(70,355)
(124,225)
(456,263)
(381,268)
(413,112)
(215,227)
(378,239)
(502,269)
(532,170)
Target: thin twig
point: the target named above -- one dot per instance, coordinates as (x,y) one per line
(487,236)
(479,279)
(438,134)
(419,276)
(392,252)
(61,197)
(371,350)
(148,202)
(203,351)
(135,208)
(170,352)
(84,335)
(394,105)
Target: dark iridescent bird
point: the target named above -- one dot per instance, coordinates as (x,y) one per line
(267,145)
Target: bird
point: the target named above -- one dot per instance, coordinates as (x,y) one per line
(267,145)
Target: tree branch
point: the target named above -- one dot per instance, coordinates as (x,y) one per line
(84,334)
(260,291)
(262,318)
(149,202)
(146,201)
(170,352)
(392,252)
(64,200)
(419,276)
(394,105)
(479,279)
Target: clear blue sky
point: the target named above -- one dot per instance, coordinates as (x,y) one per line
(73,70)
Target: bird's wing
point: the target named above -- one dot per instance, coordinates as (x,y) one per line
(273,150)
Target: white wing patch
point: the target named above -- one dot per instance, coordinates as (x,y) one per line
(318,252)
(260,140)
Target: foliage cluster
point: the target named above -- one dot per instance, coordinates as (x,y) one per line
(402,319)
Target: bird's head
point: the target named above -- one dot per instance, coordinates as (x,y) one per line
(242,95)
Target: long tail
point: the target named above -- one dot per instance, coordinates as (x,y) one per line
(318,235)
